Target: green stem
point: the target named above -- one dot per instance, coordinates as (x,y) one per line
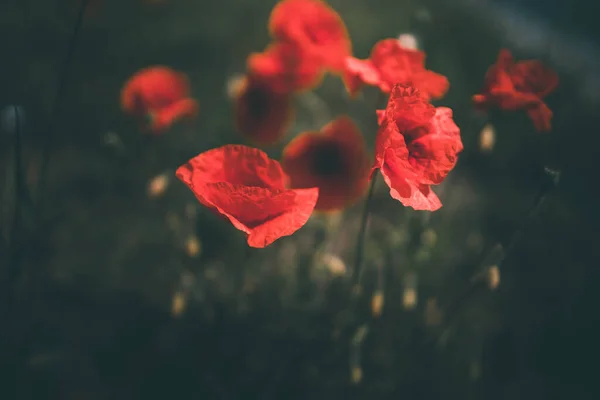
(360,242)
(13,258)
(60,94)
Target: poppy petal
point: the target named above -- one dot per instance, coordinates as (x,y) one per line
(264,214)
(431,84)
(419,197)
(534,77)
(417,145)
(541,115)
(389,64)
(408,108)
(236,164)
(380,116)
(436,152)
(261,114)
(401,178)
(248,188)
(335,160)
(299,208)
(314,26)
(158,92)
(358,72)
(286,68)
(182,109)
(521,85)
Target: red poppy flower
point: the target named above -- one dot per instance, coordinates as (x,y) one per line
(247,187)
(315,27)
(335,160)
(519,86)
(286,67)
(417,145)
(158,96)
(390,63)
(261,114)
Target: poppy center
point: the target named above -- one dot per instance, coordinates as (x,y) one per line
(258,102)
(328,160)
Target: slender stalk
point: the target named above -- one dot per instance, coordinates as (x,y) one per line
(499,253)
(360,241)
(496,256)
(356,344)
(13,252)
(60,94)
(550,182)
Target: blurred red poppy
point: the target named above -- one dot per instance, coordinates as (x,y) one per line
(158,97)
(390,63)
(261,114)
(247,187)
(335,160)
(519,86)
(417,145)
(286,68)
(315,27)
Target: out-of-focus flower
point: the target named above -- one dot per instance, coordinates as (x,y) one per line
(377,302)
(487,138)
(519,86)
(417,145)
(158,185)
(193,246)
(315,27)
(334,264)
(408,41)
(248,188)
(356,374)
(234,85)
(261,114)
(335,160)
(158,96)
(493,276)
(178,304)
(409,298)
(286,67)
(356,343)
(390,63)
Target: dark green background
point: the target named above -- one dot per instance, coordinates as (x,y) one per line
(91,316)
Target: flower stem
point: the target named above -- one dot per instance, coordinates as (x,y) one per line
(550,182)
(13,252)
(60,94)
(360,242)
(500,252)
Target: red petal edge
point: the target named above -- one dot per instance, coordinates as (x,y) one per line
(253,198)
